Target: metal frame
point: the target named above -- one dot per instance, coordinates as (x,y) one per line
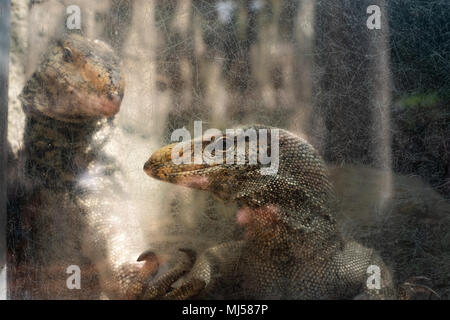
(5,12)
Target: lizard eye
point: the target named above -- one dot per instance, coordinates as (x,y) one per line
(67,54)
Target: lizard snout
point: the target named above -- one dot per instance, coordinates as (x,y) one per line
(148,168)
(111,105)
(159,164)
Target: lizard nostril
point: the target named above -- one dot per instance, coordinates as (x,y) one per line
(114,96)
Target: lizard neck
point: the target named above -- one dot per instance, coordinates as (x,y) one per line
(270,235)
(57,151)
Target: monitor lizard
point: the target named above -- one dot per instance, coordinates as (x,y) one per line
(292,248)
(69,102)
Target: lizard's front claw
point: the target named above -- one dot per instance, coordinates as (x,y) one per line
(148,271)
(147,255)
(161,288)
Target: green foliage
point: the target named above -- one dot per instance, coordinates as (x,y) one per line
(420,99)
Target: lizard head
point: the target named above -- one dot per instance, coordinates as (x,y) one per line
(78,80)
(234,167)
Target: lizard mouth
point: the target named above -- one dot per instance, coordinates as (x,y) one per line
(160,167)
(94,106)
(188,175)
(75,107)
(107,107)
(83,108)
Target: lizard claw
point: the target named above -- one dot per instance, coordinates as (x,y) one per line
(161,288)
(148,270)
(146,255)
(146,287)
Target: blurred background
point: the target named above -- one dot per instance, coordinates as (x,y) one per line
(374,102)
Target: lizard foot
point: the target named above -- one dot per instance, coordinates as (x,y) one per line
(161,287)
(148,271)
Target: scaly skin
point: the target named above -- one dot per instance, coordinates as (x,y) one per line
(292,248)
(74,93)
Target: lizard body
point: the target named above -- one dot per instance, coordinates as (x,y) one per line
(292,248)
(69,103)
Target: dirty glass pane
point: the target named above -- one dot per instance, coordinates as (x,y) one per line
(261,149)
